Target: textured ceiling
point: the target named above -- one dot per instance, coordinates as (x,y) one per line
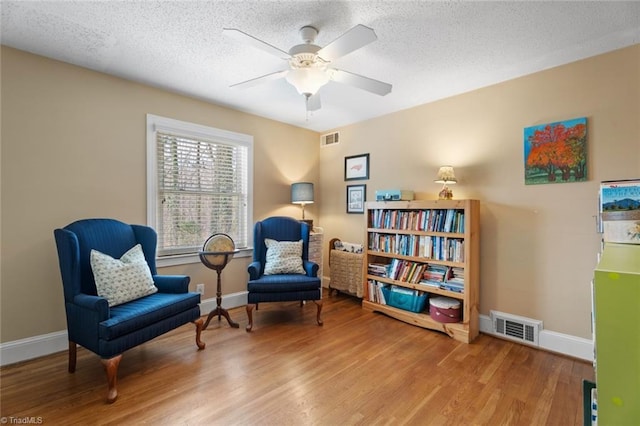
(427,50)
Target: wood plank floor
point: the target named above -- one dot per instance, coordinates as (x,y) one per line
(359,368)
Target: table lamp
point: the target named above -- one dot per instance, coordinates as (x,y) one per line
(302,193)
(446,176)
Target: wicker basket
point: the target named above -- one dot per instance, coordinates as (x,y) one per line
(345,270)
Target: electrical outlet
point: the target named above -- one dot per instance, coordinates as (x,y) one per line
(200,288)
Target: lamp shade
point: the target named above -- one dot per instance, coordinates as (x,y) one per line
(446,175)
(307,81)
(302,193)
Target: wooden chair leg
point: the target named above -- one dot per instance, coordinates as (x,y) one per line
(73,352)
(111,368)
(319,305)
(250,316)
(199,327)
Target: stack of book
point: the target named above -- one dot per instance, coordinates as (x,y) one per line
(378,269)
(455,280)
(434,275)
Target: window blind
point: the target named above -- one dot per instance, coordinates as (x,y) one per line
(202,189)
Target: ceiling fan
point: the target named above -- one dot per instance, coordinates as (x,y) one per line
(310,65)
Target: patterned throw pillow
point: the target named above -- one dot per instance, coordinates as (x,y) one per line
(122,280)
(283,257)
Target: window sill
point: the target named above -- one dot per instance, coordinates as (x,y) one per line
(185,259)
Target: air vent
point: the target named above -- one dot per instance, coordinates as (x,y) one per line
(330,139)
(516,328)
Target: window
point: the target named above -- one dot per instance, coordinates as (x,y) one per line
(199,181)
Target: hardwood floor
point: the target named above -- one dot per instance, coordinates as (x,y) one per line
(359,368)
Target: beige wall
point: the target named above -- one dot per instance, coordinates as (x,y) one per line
(538,243)
(73,146)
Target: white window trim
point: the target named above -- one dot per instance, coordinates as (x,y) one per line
(157,123)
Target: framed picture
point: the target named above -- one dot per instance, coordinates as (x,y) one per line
(356,196)
(356,167)
(556,152)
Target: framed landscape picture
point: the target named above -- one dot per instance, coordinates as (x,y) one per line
(356,196)
(356,167)
(556,152)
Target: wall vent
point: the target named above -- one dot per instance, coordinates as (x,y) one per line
(330,139)
(520,329)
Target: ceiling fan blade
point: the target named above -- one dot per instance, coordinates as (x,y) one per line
(360,81)
(313,102)
(353,39)
(255,42)
(259,80)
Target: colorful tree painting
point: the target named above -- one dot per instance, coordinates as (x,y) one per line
(556,152)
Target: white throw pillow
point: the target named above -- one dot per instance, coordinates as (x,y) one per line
(122,280)
(283,257)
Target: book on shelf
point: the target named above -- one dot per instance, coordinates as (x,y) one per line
(381,299)
(375,293)
(445,277)
(435,273)
(406,271)
(428,246)
(434,284)
(432,220)
(456,275)
(453,287)
(379,269)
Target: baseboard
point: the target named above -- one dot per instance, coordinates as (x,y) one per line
(46,344)
(33,347)
(229,301)
(552,341)
(326,281)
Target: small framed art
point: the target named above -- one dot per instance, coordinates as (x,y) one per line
(356,167)
(356,196)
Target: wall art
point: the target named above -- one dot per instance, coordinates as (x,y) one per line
(556,152)
(356,196)
(356,167)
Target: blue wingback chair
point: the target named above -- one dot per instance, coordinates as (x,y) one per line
(281,287)
(109,331)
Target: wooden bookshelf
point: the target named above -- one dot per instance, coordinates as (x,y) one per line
(417,234)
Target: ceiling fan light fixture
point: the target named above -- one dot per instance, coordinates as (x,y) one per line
(310,64)
(307,81)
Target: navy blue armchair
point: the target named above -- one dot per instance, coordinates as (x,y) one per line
(281,287)
(106,330)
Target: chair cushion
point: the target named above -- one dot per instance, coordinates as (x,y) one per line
(145,312)
(283,283)
(283,257)
(122,280)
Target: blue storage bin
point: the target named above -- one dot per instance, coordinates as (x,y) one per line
(404,298)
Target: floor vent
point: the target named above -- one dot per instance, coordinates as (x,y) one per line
(330,139)
(516,328)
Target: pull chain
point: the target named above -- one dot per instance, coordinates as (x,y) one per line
(306,105)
